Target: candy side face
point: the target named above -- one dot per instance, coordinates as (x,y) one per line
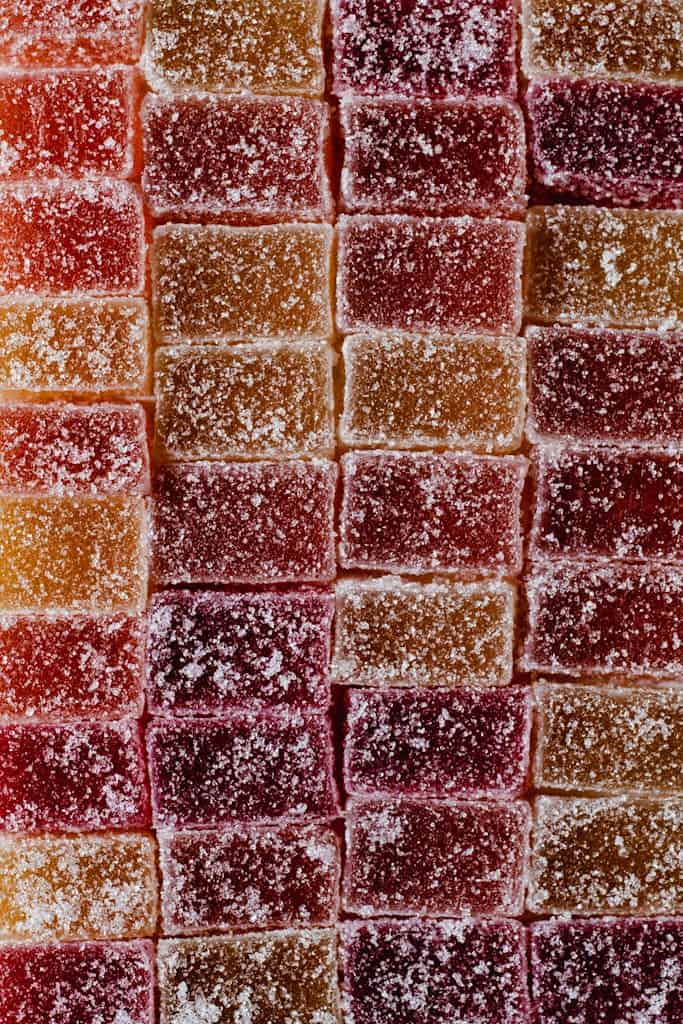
(70,33)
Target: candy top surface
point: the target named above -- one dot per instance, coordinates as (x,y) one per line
(70,32)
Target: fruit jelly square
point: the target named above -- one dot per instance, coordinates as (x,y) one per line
(208,652)
(418,512)
(406,391)
(424,48)
(602,267)
(266,400)
(389,632)
(247,767)
(458,156)
(215,283)
(242,158)
(267,522)
(281,876)
(77,887)
(429,972)
(412,857)
(429,275)
(70,32)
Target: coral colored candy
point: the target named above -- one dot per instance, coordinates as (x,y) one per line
(247,767)
(268,522)
(281,876)
(417,512)
(208,652)
(247,159)
(440,859)
(433,158)
(429,275)
(265,400)
(392,633)
(405,391)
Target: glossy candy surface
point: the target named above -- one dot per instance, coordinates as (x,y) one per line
(70,32)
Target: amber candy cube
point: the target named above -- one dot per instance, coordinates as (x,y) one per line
(70,33)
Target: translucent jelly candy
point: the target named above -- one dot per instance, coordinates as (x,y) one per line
(77,887)
(273,978)
(440,859)
(433,971)
(595,266)
(424,274)
(425,48)
(282,876)
(608,140)
(216,282)
(403,391)
(417,512)
(245,158)
(433,158)
(248,766)
(251,523)
(392,633)
(209,651)
(244,401)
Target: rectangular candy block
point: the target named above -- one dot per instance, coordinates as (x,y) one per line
(208,651)
(418,512)
(405,391)
(441,744)
(243,159)
(613,855)
(410,857)
(70,32)
(214,283)
(247,767)
(603,267)
(444,633)
(433,158)
(266,400)
(267,522)
(422,274)
(77,887)
(282,876)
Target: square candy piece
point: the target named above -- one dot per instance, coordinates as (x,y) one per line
(434,276)
(247,767)
(433,158)
(70,32)
(267,400)
(405,391)
(267,522)
(409,857)
(283,876)
(405,972)
(208,652)
(445,633)
(417,512)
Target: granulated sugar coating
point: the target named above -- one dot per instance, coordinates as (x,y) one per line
(278,876)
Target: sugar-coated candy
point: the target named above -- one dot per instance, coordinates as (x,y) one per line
(424,48)
(440,859)
(280,977)
(598,266)
(433,971)
(208,651)
(429,275)
(389,632)
(267,522)
(405,391)
(70,32)
(459,156)
(77,887)
(281,876)
(418,512)
(587,972)
(247,767)
(214,283)
(609,739)
(243,158)
(613,141)
(266,400)
(437,744)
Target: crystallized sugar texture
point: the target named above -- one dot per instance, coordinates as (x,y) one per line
(70,32)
